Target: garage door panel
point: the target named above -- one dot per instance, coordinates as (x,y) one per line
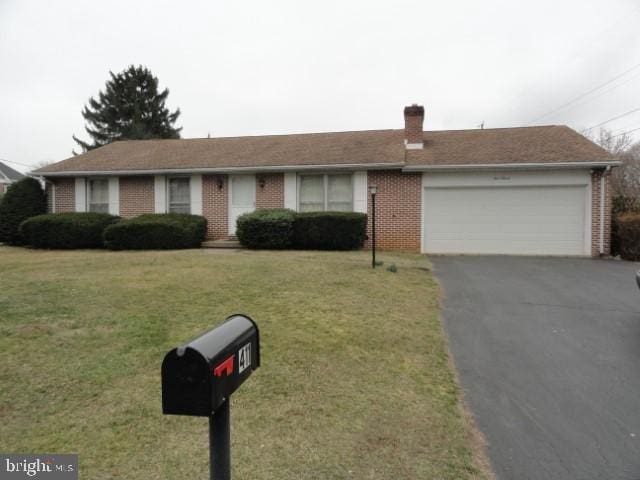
(516,220)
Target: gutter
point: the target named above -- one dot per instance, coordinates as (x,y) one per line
(220,170)
(512,166)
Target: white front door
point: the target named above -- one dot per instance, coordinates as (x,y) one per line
(242,198)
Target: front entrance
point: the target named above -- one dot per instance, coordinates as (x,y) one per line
(242,198)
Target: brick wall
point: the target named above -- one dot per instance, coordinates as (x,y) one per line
(65,196)
(595,213)
(136,196)
(272,194)
(215,203)
(398,210)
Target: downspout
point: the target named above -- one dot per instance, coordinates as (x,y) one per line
(602,204)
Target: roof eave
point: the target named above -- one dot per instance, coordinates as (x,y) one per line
(223,170)
(513,166)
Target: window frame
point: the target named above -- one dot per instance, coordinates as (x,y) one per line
(89,184)
(169,203)
(325,181)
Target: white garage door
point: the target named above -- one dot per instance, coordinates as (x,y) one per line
(529,219)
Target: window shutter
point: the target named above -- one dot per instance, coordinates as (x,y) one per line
(114,195)
(160,194)
(196,194)
(290,191)
(360,192)
(81,194)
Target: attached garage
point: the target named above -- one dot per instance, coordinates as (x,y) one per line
(518,213)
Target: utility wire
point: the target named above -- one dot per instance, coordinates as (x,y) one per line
(17,163)
(580,97)
(614,118)
(624,133)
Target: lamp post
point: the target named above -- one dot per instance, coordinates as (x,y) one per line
(373,190)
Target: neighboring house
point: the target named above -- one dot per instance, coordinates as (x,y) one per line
(7,176)
(532,190)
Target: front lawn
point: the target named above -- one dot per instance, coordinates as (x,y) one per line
(355,379)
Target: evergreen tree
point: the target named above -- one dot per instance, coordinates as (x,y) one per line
(130,108)
(24,199)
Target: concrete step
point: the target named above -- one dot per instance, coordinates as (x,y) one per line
(225,243)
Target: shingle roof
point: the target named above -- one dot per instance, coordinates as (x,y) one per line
(9,172)
(379,148)
(547,144)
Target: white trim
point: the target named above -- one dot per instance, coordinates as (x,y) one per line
(238,170)
(360,191)
(413,146)
(510,166)
(114,196)
(160,194)
(196,194)
(81,194)
(290,191)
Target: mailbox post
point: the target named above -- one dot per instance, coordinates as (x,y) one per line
(199,377)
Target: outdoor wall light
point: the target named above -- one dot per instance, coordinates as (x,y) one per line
(262,182)
(220,182)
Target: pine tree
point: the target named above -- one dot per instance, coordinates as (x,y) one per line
(130,108)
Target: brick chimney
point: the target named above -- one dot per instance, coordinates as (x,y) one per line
(413,120)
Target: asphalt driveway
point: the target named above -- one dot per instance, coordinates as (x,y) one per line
(548,351)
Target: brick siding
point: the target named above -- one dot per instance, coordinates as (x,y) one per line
(215,203)
(65,196)
(595,213)
(398,210)
(272,194)
(136,196)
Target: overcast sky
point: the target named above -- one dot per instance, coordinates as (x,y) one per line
(257,67)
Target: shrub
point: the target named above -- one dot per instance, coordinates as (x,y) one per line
(622,205)
(66,230)
(24,199)
(629,234)
(329,230)
(267,228)
(157,232)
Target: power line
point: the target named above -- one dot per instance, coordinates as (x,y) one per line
(580,97)
(17,163)
(614,118)
(624,133)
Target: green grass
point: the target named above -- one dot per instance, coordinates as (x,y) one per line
(355,380)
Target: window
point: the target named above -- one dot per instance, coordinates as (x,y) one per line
(99,195)
(326,193)
(179,195)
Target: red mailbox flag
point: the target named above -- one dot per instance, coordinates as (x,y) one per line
(225,368)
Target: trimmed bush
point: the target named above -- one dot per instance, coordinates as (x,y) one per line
(24,199)
(629,235)
(329,230)
(267,228)
(167,231)
(66,230)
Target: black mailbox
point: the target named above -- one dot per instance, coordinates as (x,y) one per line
(199,376)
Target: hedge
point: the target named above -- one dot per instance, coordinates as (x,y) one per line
(66,230)
(157,232)
(629,235)
(329,230)
(266,228)
(23,199)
